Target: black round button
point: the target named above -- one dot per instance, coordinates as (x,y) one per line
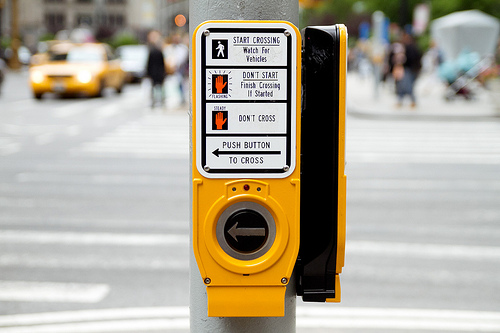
(246,231)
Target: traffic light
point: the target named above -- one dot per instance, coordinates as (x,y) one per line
(246,164)
(323,182)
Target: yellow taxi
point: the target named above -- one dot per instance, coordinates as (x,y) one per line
(69,69)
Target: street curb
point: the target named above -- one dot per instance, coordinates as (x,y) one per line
(405,115)
(366,101)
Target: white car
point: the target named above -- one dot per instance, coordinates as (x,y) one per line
(134,59)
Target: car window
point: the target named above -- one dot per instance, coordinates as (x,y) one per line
(58,56)
(135,53)
(109,54)
(84,54)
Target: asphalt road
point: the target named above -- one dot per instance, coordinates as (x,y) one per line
(94,220)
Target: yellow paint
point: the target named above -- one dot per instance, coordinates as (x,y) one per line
(247,300)
(337,291)
(342,179)
(246,288)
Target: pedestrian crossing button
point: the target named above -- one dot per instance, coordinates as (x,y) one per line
(246,230)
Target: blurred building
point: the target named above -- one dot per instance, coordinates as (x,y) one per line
(105,17)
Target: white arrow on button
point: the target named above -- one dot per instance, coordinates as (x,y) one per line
(235,232)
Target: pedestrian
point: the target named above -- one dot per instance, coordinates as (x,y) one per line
(2,68)
(405,61)
(156,68)
(177,55)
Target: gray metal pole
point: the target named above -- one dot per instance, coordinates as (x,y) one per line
(201,11)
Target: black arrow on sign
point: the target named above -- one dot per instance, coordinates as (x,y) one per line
(256,232)
(218,152)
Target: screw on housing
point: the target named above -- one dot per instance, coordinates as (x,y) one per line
(207,281)
(284,280)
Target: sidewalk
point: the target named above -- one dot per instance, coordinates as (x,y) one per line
(429,91)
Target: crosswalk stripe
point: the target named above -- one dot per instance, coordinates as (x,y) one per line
(44,139)
(100,262)
(87,238)
(28,291)
(427,251)
(423,142)
(139,325)
(359,247)
(8,146)
(98,111)
(93,315)
(101,179)
(96,107)
(152,136)
(166,135)
(383,184)
(308,317)
(74,108)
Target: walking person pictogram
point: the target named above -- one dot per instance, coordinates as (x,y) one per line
(220,48)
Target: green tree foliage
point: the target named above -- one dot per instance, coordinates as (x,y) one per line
(353,12)
(340,9)
(444,7)
(396,10)
(438,7)
(123,38)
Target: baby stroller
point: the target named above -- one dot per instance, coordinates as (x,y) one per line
(467,40)
(460,75)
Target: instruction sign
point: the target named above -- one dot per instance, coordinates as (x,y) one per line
(245,91)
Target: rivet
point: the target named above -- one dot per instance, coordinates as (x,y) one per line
(206,32)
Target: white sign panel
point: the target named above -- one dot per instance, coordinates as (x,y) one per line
(235,49)
(245,92)
(249,118)
(245,84)
(246,152)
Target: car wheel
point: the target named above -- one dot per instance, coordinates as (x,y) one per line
(119,90)
(100,90)
(38,96)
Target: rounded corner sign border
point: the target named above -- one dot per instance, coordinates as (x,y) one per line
(245,88)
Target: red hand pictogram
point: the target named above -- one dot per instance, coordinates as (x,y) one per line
(219,120)
(219,84)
